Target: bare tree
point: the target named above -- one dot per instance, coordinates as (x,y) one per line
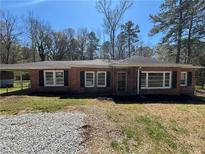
(32,32)
(59,46)
(40,35)
(8,34)
(112,17)
(82,40)
(104,50)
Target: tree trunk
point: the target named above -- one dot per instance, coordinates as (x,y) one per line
(189,52)
(7,54)
(129,46)
(113,44)
(179,33)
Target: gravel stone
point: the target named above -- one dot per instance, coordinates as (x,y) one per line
(58,132)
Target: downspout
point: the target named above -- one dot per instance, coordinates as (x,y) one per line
(138,80)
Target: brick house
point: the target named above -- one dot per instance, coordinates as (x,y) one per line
(131,76)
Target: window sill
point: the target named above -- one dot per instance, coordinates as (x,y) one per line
(157,88)
(183,85)
(89,87)
(53,85)
(101,86)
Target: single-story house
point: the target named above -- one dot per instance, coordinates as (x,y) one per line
(6,79)
(131,76)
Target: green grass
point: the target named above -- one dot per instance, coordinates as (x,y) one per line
(13,105)
(115,144)
(199,87)
(175,127)
(144,128)
(156,130)
(17,86)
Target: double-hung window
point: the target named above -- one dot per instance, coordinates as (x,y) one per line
(54,78)
(155,80)
(101,79)
(89,79)
(183,79)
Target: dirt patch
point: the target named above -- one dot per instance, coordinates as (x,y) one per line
(4,99)
(99,131)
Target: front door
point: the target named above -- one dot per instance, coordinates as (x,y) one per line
(121,82)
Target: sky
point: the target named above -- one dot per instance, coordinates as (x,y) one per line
(61,14)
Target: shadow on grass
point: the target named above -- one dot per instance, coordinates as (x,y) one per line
(16,92)
(139,99)
(163,99)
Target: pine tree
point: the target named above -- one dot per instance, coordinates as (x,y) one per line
(130,33)
(92,45)
(170,21)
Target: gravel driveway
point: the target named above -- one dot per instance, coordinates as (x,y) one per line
(41,133)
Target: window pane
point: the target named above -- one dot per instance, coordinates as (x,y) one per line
(167,79)
(143,79)
(89,79)
(59,78)
(49,78)
(155,80)
(101,79)
(183,78)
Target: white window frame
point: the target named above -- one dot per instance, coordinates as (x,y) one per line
(105,79)
(86,79)
(185,79)
(163,72)
(54,78)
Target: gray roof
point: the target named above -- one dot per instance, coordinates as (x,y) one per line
(58,64)
(141,60)
(132,61)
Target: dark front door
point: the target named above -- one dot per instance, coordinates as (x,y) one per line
(121,82)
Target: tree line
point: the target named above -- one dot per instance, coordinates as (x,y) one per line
(180,22)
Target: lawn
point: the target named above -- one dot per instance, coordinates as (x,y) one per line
(159,128)
(16,104)
(199,87)
(127,126)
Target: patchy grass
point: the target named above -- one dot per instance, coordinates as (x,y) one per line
(167,127)
(159,128)
(115,145)
(199,87)
(15,104)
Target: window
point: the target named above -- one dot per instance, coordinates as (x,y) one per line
(59,78)
(121,81)
(143,79)
(101,79)
(155,80)
(89,79)
(183,79)
(54,78)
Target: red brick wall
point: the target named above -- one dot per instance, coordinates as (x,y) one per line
(131,88)
(172,91)
(36,88)
(74,82)
(188,89)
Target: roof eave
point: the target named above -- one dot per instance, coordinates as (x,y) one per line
(157,65)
